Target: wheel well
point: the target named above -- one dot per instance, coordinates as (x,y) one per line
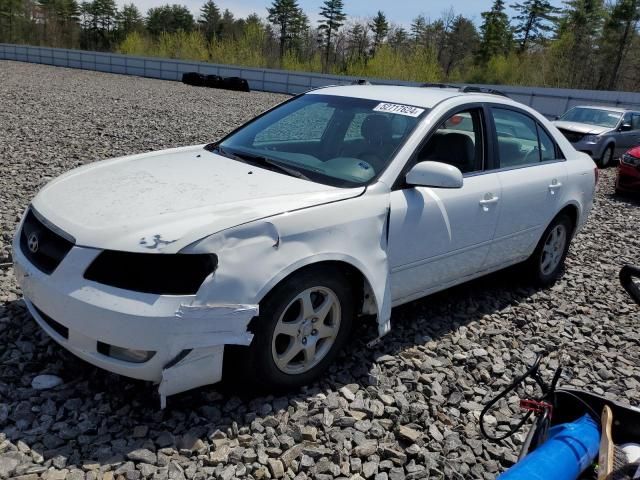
(572,212)
(360,285)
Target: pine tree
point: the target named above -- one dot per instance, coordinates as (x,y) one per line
(496,33)
(333,14)
(129,20)
(10,17)
(358,42)
(209,20)
(397,38)
(578,31)
(169,19)
(283,13)
(300,31)
(460,44)
(617,34)
(534,19)
(380,28)
(418,29)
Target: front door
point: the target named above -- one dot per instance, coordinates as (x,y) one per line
(440,236)
(626,140)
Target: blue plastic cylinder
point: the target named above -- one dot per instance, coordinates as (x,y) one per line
(570,448)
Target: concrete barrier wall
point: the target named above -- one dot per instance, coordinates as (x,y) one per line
(548,101)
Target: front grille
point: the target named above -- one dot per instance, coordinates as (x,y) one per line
(57,327)
(573,137)
(41,245)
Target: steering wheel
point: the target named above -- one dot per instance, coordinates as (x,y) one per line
(370,160)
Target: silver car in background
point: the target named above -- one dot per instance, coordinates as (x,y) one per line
(604,133)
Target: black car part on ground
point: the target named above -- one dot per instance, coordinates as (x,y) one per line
(630,280)
(213,81)
(194,78)
(216,81)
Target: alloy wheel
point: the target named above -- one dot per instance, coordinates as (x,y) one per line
(553,249)
(306,330)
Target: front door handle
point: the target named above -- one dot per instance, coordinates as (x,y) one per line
(488,199)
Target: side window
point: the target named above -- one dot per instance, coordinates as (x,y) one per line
(635,121)
(517,138)
(458,141)
(548,149)
(307,124)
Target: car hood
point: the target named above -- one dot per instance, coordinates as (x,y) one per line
(581,127)
(164,201)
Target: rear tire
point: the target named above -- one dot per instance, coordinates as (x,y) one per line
(303,324)
(547,261)
(607,157)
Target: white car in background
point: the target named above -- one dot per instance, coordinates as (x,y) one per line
(339,202)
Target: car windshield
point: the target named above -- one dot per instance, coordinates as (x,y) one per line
(593,116)
(339,141)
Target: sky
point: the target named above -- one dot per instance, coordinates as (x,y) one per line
(400,11)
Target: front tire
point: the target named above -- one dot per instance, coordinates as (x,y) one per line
(607,157)
(547,261)
(303,324)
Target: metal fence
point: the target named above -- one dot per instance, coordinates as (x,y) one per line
(548,101)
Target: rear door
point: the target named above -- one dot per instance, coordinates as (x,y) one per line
(532,175)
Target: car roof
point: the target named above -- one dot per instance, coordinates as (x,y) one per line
(424,97)
(604,107)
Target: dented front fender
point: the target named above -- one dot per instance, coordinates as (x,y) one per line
(255,257)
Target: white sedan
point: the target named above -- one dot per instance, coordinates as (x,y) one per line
(340,202)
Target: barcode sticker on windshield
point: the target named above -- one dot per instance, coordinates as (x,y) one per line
(398,109)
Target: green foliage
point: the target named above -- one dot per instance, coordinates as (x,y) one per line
(129,20)
(420,65)
(496,33)
(286,16)
(380,28)
(534,21)
(169,19)
(333,17)
(618,31)
(209,20)
(588,44)
(136,43)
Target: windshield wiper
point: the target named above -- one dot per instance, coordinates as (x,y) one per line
(258,159)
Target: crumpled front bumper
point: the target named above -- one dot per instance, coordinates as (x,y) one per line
(594,150)
(188,338)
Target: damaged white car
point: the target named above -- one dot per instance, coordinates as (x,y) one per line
(339,202)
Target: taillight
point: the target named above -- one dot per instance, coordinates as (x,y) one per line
(596,173)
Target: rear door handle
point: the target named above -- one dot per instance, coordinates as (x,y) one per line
(554,186)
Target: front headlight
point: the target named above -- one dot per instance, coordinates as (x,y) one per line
(630,160)
(591,138)
(157,273)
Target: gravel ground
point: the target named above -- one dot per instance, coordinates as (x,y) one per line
(407,408)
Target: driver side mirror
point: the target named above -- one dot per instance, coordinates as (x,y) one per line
(625,127)
(435,174)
